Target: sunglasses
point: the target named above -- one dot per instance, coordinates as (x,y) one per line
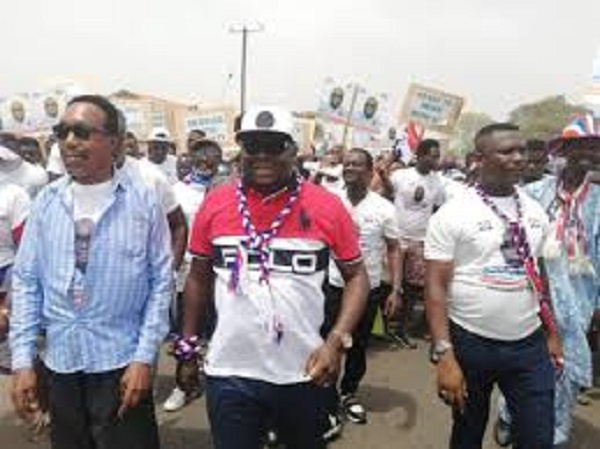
(269,147)
(81,131)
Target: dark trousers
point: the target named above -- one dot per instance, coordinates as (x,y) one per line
(412,294)
(355,364)
(83,413)
(524,373)
(240,410)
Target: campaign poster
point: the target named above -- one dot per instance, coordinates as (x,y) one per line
(16,113)
(216,122)
(335,101)
(433,108)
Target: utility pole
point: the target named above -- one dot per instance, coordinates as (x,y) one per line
(244,29)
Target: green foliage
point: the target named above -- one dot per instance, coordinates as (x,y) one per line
(546,118)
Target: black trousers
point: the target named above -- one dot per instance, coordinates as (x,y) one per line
(406,313)
(355,365)
(83,413)
(524,373)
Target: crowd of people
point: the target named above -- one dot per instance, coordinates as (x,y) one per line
(264,274)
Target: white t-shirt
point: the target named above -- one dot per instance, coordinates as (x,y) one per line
(168,167)
(89,201)
(415,196)
(452,187)
(190,198)
(151,176)
(14,208)
(375,219)
(489,293)
(30,177)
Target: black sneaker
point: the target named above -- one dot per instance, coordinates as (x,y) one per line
(333,429)
(353,410)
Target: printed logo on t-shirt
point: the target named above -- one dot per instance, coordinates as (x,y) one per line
(300,262)
(509,250)
(419,194)
(511,275)
(416,198)
(84,228)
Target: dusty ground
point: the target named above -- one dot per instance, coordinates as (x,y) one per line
(398,390)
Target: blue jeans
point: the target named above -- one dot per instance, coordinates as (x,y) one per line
(240,409)
(525,375)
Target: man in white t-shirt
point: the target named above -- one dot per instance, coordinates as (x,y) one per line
(206,156)
(15,170)
(159,147)
(418,192)
(375,219)
(14,208)
(487,298)
(94,271)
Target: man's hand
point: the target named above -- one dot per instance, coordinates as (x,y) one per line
(451,385)
(24,393)
(555,350)
(135,383)
(392,303)
(323,365)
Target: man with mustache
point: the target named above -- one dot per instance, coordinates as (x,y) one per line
(94,272)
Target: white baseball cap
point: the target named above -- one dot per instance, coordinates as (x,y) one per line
(160,135)
(266,119)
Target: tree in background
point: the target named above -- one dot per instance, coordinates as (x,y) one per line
(546,118)
(468,124)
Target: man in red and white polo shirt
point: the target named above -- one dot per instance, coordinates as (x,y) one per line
(261,247)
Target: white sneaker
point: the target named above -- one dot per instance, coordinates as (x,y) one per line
(334,428)
(175,401)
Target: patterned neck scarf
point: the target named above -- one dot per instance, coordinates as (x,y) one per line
(570,228)
(521,244)
(259,242)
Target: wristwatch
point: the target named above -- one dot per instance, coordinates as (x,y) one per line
(344,337)
(438,349)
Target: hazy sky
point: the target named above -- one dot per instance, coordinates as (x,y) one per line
(496,53)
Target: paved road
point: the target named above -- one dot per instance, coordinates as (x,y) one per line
(398,390)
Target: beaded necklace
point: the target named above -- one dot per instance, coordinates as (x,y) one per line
(570,228)
(259,242)
(518,235)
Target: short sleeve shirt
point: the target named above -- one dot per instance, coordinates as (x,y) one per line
(375,219)
(489,293)
(416,196)
(242,344)
(14,208)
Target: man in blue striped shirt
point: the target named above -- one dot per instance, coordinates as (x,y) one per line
(94,273)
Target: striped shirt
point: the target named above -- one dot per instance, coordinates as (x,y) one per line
(127,286)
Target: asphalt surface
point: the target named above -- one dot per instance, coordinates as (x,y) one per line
(404,411)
